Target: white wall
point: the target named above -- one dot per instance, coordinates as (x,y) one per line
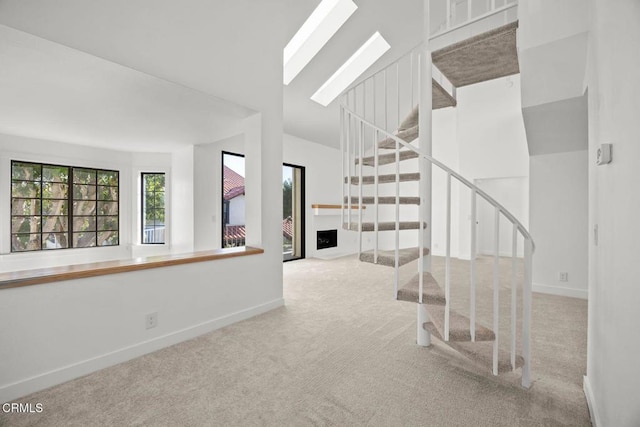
(513,194)
(27,149)
(491,142)
(150,162)
(547,21)
(323,186)
(87,324)
(130,165)
(208,189)
(446,148)
(611,384)
(182,204)
(236,211)
(52,333)
(482,138)
(55,332)
(559,222)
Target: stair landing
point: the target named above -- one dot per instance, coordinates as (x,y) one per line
(487,56)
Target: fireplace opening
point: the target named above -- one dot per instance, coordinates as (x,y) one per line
(327,239)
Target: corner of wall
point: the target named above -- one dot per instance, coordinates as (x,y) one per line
(591,402)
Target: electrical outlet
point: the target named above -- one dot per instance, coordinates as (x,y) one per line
(151,320)
(563,276)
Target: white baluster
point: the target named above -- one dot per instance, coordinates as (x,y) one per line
(376,195)
(514,294)
(398,91)
(496,289)
(342,165)
(421,213)
(472,299)
(447,274)
(349,161)
(361,152)
(411,80)
(386,128)
(526,314)
(397,231)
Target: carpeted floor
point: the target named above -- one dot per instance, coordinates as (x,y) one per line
(342,352)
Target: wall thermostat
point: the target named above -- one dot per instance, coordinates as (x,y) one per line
(603,155)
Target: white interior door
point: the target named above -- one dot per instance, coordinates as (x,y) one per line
(513,194)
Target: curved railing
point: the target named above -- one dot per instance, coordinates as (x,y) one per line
(366,121)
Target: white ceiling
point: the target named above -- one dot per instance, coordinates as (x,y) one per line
(399,22)
(53,92)
(206,48)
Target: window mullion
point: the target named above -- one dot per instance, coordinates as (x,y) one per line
(70,208)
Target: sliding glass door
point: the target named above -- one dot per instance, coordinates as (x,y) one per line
(292,212)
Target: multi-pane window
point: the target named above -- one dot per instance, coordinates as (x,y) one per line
(95,208)
(153,208)
(57,207)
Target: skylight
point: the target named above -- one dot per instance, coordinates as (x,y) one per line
(359,62)
(321,25)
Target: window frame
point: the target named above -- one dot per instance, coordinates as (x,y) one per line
(142,208)
(70,206)
(224,204)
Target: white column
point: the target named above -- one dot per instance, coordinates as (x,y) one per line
(424,139)
(253,179)
(424,142)
(423,336)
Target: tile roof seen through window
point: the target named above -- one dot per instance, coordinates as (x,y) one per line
(233,184)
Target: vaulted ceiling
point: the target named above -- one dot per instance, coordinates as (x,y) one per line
(165,68)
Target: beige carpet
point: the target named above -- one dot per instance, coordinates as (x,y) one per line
(487,56)
(340,353)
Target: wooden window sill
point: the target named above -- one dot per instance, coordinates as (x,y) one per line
(80,271)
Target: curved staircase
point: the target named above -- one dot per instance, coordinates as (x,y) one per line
(387,166)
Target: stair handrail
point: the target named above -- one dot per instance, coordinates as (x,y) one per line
(529,248)
(463,180)
(493,10)
(354,128)
(438,75)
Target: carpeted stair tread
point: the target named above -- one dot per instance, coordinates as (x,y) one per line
(386,226)
(384,179)
(388,258)
(432,294)
(481,353)
(407,131)
(407,135)
(385,159)
(384,200)
(458,325)
(487,56)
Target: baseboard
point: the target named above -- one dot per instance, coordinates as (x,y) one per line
(333,255)
(66,373)
(559,290)
(442,253)
(504,254)
(591,402)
